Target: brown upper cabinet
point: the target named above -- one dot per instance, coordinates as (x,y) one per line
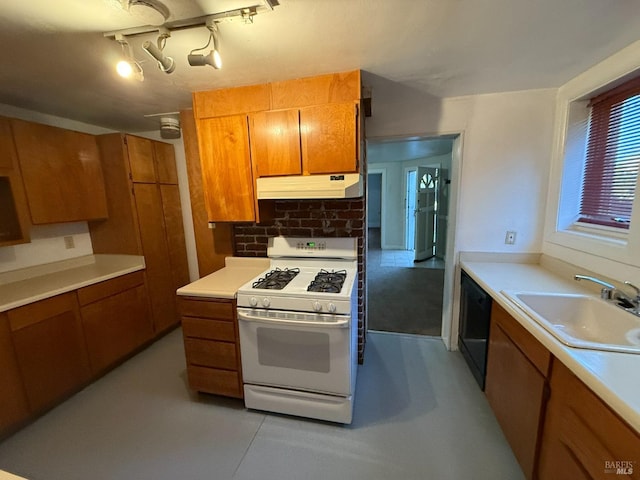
(61,173)
(310,140)
(14,214)
(295,127)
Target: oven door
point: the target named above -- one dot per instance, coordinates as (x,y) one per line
(300,351)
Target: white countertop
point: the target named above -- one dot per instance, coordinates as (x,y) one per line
(614,377)
(9,476)
(225,282)
(22,287)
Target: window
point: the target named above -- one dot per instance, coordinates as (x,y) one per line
(613,157)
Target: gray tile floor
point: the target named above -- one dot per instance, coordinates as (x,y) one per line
(419,415)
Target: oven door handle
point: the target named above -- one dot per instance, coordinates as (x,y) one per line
(343,323)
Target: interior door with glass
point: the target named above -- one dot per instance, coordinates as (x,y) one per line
(426,204)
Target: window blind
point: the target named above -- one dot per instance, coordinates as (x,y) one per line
(613,157)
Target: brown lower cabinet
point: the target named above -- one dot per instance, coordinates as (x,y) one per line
(516,385)
(210,331)
(14,409)
(50,349)
(115,319)
(556,426)
(583,438)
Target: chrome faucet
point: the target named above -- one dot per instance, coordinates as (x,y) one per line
(611,292)
(607,288)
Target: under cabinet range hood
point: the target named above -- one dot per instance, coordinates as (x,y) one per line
(344,185)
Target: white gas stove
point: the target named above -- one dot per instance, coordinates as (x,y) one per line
(298,329)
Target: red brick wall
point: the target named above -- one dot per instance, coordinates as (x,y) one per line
(313,218)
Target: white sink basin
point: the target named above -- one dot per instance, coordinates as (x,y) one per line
(581,321)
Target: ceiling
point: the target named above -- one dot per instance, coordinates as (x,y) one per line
(56,60)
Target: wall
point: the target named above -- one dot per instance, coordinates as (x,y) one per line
(499,176)
(374,192)
(47,241)
(394,196)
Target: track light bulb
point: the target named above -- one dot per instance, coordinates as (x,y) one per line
(198,60)
(124,69)
(166,64)
(127,66)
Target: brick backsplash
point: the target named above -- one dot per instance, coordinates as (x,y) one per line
(312,218)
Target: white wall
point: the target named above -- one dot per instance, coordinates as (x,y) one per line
(505,158)
(499,170)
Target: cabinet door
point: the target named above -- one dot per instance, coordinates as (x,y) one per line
(50,349)
(13,400)
(582,437)
(141,159)
(226,169)
(329,138)
(165,163)
(275,143)
(516,391)
(175,235)
(117,323)
(156,254)
(14,214)
(61,173)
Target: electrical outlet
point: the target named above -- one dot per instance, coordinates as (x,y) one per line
(510,237)
(69,242)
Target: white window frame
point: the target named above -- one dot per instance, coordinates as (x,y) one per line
(581,243)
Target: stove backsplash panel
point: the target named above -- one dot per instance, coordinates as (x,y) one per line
(312,218)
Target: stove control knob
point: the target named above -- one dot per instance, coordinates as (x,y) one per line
(266,302)
(332,308)
(253,301)
(317,306)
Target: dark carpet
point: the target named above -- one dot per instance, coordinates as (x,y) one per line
(405,300)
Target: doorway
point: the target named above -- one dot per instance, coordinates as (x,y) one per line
(406,212)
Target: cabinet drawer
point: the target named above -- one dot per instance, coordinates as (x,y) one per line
(211,380)
(211,354)
(208,329)
(217,309)
(535,352)
(108,288)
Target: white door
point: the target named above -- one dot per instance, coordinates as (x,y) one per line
(425,212)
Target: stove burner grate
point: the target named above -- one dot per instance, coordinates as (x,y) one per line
(328,281)
(276,279)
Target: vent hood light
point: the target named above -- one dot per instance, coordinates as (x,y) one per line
(347,185)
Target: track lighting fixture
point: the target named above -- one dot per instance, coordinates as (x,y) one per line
(128,67)
(156,17)
(166,64)
(213,58)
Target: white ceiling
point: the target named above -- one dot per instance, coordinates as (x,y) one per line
(56,60)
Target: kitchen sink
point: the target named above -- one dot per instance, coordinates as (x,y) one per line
(581,321)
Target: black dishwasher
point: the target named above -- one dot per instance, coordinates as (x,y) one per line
(473,335)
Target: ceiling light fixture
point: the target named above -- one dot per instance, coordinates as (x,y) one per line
(149,12)
(213,58)
(166,64)
(128,67)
